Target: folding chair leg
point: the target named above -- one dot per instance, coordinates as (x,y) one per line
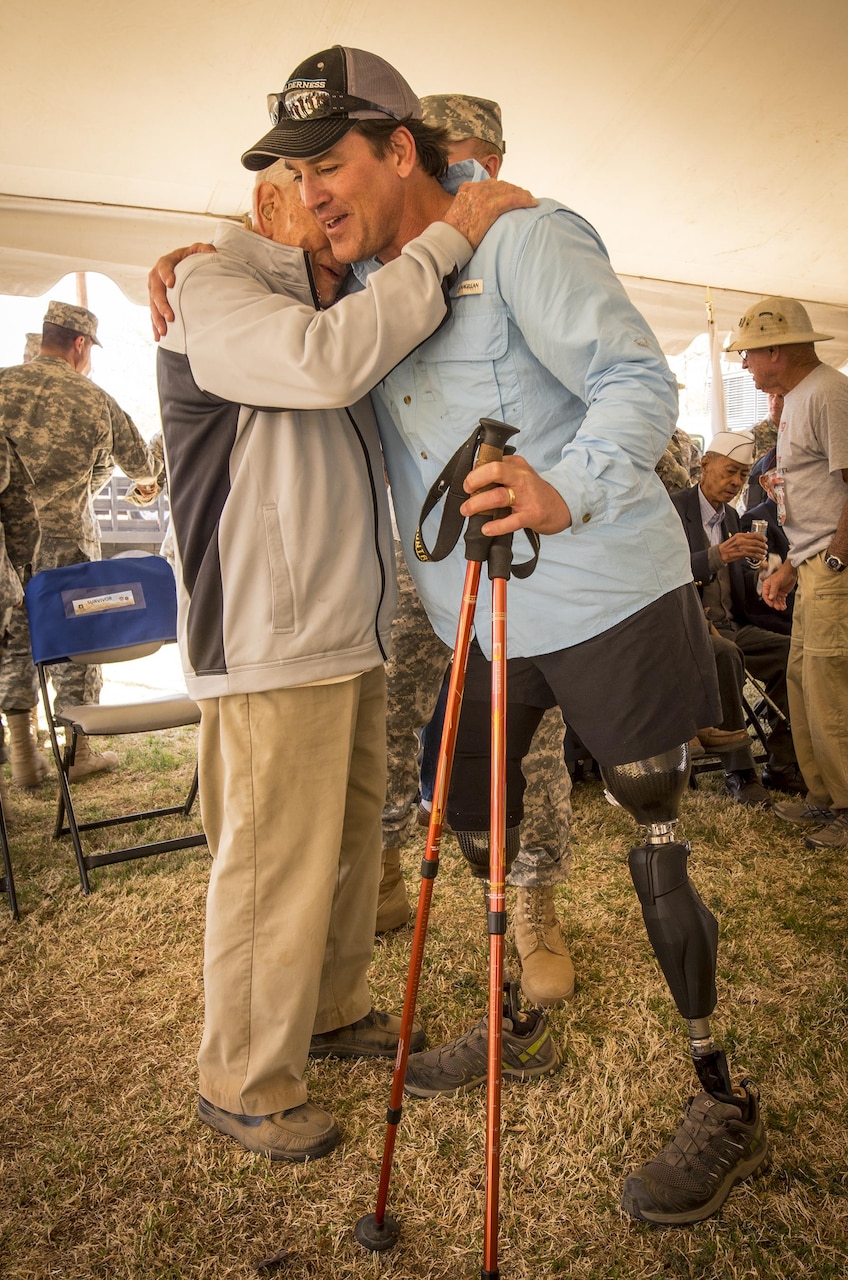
(64,808)
(7,881)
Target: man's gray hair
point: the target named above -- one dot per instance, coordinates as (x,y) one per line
(277,173)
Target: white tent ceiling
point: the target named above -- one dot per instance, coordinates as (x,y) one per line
(706,141)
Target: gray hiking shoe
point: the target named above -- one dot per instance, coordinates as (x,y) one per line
(301,1133)
(527,1048)
(374,1036)
(833,835)
(801,813)
(717,1145)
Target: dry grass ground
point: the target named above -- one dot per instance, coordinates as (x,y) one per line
(106,1172)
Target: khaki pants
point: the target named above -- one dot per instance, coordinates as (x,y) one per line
(817,677)
(292,784)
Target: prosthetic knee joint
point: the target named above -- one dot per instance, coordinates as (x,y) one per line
(682,932)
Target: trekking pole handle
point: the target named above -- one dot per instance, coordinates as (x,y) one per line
(495,437)
(491,449)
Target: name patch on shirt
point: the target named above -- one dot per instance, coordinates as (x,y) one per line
(469,286)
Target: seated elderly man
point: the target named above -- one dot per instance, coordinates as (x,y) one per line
(724,566)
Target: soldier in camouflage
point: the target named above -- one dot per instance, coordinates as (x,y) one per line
(32,346)
(765,432)
(680,465)
(473,126)
(68,432)
(414,676)
(19,539)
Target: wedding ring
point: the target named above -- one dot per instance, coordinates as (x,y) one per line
(511,493)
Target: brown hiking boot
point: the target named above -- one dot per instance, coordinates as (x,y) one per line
(547,974)
(301,1133)
(374,1036)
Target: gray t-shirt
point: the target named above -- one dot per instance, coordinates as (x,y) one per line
(812,449)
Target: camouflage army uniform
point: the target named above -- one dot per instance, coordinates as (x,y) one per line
(414,677)
(680,465)
(156,445)
(65,429)
(19,533)
(765,437)
(671,472)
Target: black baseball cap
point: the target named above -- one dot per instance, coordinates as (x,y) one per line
(323,99)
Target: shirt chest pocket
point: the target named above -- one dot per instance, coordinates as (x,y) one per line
(467,365)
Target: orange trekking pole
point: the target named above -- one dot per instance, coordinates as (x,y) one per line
(378,1231)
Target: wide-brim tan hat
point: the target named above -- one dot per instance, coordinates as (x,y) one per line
(774,322)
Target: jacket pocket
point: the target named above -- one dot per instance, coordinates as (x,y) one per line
(282,601)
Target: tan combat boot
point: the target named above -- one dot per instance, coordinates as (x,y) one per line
(88,762)
(392,902)
(29,768)
(547,974)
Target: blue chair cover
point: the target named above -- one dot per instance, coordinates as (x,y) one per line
(101,604)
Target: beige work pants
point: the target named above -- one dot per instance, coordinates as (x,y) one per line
(817,679)
(292,785)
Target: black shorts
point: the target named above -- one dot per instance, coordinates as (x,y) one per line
(643,687)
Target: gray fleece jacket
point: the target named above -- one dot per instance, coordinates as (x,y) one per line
(284,558)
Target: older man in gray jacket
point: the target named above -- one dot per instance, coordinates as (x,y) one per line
(286,593)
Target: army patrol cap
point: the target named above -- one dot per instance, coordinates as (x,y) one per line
(774,322)
(67,316)
(465,117)
(736,445)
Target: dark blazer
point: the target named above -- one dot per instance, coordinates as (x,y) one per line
(742,577)
(778,543)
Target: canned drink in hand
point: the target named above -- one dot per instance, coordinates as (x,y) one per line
(759,526)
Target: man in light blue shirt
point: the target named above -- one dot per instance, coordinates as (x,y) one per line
(609,627)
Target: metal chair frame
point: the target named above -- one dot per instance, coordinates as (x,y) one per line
(151,622)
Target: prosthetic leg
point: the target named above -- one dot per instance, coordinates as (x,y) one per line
(379,1231)
(682,932)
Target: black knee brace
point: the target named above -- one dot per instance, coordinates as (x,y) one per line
(475,847)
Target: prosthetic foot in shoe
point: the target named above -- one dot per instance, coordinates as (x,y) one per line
(718,1145)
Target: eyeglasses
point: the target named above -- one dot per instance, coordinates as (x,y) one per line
(317,104)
